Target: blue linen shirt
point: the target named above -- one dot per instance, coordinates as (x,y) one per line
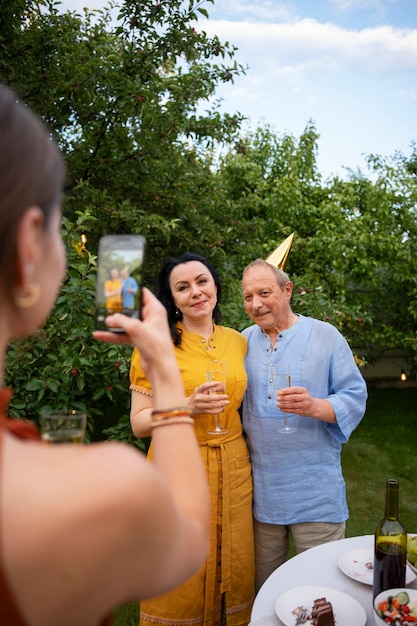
(298,477)
(127,297)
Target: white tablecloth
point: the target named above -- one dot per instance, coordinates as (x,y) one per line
(317,566)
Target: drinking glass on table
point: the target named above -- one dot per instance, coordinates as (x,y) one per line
(216,372)
(281,378)
(63,426)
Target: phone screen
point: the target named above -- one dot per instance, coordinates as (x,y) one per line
(119,277)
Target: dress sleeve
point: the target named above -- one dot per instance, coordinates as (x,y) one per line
(138,380)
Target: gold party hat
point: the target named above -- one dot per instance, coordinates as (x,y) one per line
(280,255)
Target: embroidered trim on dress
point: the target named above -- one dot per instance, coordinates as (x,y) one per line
(145,392)
(171,622)
(240,607)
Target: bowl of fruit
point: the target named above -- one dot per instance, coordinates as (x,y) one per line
(412,552)
(397,607)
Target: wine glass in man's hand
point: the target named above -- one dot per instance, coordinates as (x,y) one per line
(281,378)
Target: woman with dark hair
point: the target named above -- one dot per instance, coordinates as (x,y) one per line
(164,293)
(190,290)
(83,529)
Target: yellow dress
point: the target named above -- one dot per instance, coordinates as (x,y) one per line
(230,566)
(114,303)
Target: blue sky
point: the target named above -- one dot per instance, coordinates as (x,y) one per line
(350,66)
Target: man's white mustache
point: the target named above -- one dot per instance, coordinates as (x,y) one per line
(261,311)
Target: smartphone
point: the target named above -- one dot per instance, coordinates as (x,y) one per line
(119,278)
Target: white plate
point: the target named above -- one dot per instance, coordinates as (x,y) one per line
(355,564)
(347,611)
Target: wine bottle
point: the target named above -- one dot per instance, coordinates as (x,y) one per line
(390,546)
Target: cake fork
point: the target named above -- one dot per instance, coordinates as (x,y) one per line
(301,617)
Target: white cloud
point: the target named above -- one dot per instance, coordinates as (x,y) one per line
(307,42)
(266,10)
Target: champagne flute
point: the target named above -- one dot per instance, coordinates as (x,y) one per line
(216,372)
(280,380)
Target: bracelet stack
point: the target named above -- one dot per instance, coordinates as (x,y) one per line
(181,415)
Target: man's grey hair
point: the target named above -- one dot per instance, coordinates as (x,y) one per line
(281,277)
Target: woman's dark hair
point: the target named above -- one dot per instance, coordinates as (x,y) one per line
(32,173)
(163,291)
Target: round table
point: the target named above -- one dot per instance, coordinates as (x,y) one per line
(317,566)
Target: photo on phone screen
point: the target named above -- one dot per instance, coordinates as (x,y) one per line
(119,277)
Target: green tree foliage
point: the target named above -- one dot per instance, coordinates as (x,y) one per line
(122,101)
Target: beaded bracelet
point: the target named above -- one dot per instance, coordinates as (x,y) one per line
(172,420)
(168,413)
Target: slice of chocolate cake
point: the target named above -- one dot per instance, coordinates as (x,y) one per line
(322,613)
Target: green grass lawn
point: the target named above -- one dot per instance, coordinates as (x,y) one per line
(126,615)
(383,446)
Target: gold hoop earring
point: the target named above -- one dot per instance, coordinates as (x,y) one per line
(29,298)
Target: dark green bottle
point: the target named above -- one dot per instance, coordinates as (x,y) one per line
(390,548)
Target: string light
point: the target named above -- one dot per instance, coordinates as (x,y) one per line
(83,237)
(403,375)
